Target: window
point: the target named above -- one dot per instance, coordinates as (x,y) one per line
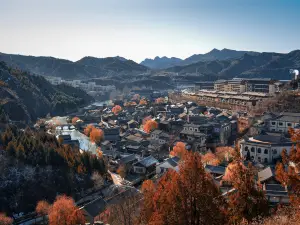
(289,124)
(266,151)
(252,157)
(246,149)
(274,151)
(259,150)
(280,123)
(139,170)
(266,160)
(273,123)
(196,130)
(273,130)
(259,159)
(191,129)
(252,149)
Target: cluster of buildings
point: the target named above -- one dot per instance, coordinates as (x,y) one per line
(133,155)
(90,86)
(241,85)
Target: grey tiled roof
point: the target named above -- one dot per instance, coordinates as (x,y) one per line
(148,161)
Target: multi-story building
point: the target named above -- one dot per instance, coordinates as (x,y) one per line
(264,148)
(258,85)
(281,122)
(240,85)
(220,85)
(206,85)
(237,85)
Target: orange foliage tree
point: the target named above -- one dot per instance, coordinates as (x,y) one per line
(290,177)
(248,201)
(116,109)
(65,212)
(96,135)
(42,209)
(5,220)
(179,150)
(210,159)
(188,197)
(88,129)
(74,120)
(150,125)
(146,119)
(224,153)
(159,100)
(143,102)
(127,104)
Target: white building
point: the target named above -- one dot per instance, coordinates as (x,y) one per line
(264,148)
(283,122)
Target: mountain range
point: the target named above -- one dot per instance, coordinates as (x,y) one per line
(215,54)
(87,67)
(268,65)
(216,64)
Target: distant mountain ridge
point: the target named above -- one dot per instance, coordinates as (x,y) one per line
(215,54)
(87,67)
(263,65)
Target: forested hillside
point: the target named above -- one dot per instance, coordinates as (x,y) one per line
(25,97)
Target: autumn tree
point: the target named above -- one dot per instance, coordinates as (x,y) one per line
(96,135)
(150,125)
(210,159)
(224,153)
(287,172)
(5,220)
(42,209)
(148,190)
(160,100)
(127,104)
(74,120)
(116,109)
(88,129)
(143,102)
(65,212)
(189,196)
(179,150)
(247,202)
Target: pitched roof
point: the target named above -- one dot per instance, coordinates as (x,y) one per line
(134,138)
(127,159)
(173,161)
(148,161)
(265,174)
(95,207)
(157,132)
(215,169)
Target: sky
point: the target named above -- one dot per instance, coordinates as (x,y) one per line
(139,29)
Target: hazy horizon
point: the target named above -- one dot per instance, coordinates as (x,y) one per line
(139,29)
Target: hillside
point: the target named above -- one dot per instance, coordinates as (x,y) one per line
(116,64)
(25,97)
(271,65)
(215,54)
(87,67)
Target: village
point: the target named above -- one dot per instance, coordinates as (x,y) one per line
(142,136)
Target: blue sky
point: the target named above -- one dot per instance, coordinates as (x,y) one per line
(138,29)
